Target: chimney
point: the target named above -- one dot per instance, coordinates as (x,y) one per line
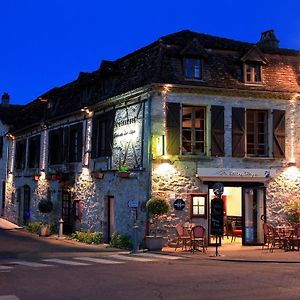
(5,99)
(268,39)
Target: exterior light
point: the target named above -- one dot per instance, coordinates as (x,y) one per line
(43,100)
(89,113)
(292,163)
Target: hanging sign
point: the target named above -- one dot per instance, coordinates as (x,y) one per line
(179,204)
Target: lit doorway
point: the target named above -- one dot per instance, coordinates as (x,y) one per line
(244,208)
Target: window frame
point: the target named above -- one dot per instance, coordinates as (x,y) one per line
(256,132)
(34,155)
(205,205)
(20,155)
(252,65)
(74,145)
(193,130)
(185,67)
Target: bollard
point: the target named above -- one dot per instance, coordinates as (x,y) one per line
(60,229)
(135,239)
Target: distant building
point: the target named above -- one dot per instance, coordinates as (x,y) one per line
(178,115)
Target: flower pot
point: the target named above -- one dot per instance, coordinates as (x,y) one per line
(124,174)
(98,175)
(154,242)
(44,230)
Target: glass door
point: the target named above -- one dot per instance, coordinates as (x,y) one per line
(254,209)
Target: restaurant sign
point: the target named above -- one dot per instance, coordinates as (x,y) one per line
(230,174)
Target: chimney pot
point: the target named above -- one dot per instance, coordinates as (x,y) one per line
(268,39)
(5,99)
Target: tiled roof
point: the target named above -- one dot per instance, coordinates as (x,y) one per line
(161,62)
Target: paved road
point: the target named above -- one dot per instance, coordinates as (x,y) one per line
(76,273)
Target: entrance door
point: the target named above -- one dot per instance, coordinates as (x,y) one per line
(26,204)
(110,217)
(254,199)
(67,212)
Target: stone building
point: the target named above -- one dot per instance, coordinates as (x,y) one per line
(178,115)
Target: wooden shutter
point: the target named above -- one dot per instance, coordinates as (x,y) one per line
(80,142)
(94,137)
(66,144)
(173,128)
(217,131)
(238,132)
(1,146)
(279,133)
(109,132)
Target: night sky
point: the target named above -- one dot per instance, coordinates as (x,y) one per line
(46,43)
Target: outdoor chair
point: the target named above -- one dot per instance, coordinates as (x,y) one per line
(267,236)
(296,237)
(183,237)
(198,238)
(235,232)
(275,239)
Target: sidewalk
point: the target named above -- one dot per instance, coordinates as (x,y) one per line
(6,225)
(239,253)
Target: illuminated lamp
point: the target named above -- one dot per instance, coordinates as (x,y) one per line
(36,177)
(291,163)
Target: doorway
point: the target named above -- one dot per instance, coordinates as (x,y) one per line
(26,204)
(67,212)
(244,208)
(110,217)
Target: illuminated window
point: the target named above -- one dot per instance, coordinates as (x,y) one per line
(198,206)
(193,68)
(257,134)
(252,73)
(193,130)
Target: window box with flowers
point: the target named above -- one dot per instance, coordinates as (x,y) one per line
(98,174)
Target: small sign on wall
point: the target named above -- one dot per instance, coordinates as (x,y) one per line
(179,204)
(133,203)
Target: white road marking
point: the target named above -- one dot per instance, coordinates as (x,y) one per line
(29,264)
(65,262)
(9,297)
(99,260)
(5,268)
(132,258)
(154,255)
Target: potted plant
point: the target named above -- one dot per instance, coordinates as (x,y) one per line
(98,174)
(156,207)
(124,171)
(45,207)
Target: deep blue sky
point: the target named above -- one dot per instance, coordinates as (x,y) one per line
(46,43)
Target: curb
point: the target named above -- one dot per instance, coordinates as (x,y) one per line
(258,260)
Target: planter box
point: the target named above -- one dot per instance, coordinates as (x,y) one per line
(124,174)
(154,243)
(98,175)
(44,230)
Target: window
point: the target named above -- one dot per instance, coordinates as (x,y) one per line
(34,152)
(20,154)
(193,129)
(250,133)
(198,206)
(193,68)
(56,146)
(102,139)
(257,135)
(75,143)
(252,72)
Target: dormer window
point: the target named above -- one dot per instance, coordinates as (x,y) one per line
(252,72)
(193,68)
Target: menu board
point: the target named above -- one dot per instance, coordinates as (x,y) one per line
(217,217)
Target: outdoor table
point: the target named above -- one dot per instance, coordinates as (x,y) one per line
(286,235)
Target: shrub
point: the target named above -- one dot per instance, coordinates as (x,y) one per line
(87,237)
(45,206)
(157,206)
(293,211)
(120,240)
(34,227)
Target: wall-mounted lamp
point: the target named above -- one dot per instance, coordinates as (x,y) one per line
(10,136)
(291,163)
(87,111)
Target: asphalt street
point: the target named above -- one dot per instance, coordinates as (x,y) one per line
(36,268)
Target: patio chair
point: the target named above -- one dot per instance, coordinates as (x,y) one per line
(267,236)
(275,239)
(296,237)
(235,232)
(198,238)
(183,237)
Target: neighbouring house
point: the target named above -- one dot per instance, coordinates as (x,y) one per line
(7,114)
(170,119)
